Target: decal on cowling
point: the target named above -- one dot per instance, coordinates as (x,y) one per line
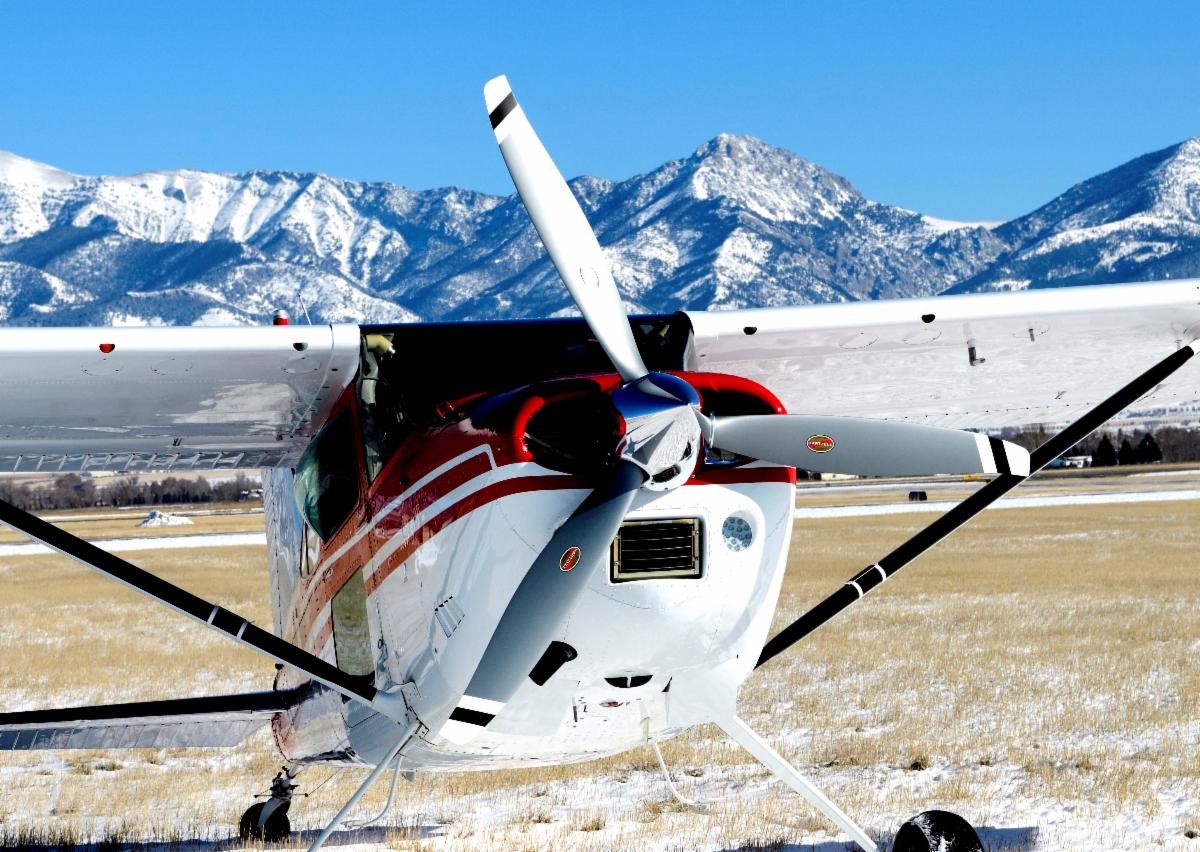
(569,559)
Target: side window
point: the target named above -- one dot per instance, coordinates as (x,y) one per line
(310,551)
(327,477)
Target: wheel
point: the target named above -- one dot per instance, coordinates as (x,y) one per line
(276,828)
(937,831)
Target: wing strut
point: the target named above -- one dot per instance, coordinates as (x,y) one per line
(874,574)
(207,613)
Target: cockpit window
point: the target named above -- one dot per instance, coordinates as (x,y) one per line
(327,477)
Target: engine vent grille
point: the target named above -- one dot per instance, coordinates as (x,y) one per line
(648,550)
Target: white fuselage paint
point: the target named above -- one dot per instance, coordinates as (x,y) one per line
(432,614)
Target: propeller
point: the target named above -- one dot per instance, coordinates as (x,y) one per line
(563,228)
(856,445)
(662,437)
(662,412)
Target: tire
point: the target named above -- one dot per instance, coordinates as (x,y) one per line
(937,831)
(277,827)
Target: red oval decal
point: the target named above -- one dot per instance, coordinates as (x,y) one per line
(569,559)
(820,443)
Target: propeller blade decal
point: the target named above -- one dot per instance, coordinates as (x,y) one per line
(541,603)
(829,444)
(564,229)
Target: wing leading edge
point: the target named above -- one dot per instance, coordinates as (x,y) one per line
(202,398)
(985,360)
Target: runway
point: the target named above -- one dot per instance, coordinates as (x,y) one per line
(814,512)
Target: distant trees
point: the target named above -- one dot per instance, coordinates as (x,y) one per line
(73,491)
(1147,451)
(1105,454)
(1137,446)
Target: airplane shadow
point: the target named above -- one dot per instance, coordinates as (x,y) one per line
(381,835)
(1017,839)
(994,840)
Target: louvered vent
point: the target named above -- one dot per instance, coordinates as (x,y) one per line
(647,550)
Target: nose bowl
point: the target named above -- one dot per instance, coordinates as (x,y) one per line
(662,434)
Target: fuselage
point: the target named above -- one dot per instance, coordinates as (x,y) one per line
(406,543)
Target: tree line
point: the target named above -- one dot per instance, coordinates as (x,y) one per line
(72,491)
(1124,447)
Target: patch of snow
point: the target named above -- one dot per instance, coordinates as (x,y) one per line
(942,226)
(165,519)
(122,545)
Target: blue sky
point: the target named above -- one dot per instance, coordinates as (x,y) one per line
(960,110)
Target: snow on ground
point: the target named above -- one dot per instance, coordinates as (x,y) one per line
(165,519)
(120,545)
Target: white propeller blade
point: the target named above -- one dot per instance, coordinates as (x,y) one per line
(830,444)
(564,229)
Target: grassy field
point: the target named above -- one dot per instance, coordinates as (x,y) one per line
(1036,672)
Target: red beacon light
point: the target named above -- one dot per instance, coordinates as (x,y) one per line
(280,317)
(106,348)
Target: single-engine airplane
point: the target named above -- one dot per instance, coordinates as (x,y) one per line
(536,542)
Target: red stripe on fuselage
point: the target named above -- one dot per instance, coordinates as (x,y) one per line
(487,494)
(351,561)
(333,576)
(737,475)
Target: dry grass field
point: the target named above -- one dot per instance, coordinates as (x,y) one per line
(1037,672)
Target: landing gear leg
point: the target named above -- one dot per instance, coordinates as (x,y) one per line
(785,772)
(268,821)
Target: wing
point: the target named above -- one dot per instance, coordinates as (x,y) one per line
(220,720)
(963,361)
(167,398)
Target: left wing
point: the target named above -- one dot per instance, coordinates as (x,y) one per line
(167,398)
(974,361)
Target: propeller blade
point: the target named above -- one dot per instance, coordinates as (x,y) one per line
(524,637)
(564,229)
(828,444)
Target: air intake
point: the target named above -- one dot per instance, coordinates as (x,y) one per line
(650,550)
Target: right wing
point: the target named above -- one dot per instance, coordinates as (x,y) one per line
(218,720)
(185,398)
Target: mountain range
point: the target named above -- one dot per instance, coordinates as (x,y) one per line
(738,223)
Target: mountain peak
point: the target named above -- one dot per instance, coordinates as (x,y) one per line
(772,183)
(15,169)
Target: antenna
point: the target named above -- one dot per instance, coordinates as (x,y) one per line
(303,308)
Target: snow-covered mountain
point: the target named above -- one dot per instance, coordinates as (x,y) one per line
(738,223)
(1140,221)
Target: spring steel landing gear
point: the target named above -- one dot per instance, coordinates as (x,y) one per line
(268,821)
(937,831)
(931,831)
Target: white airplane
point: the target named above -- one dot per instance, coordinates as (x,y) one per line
(488,549)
